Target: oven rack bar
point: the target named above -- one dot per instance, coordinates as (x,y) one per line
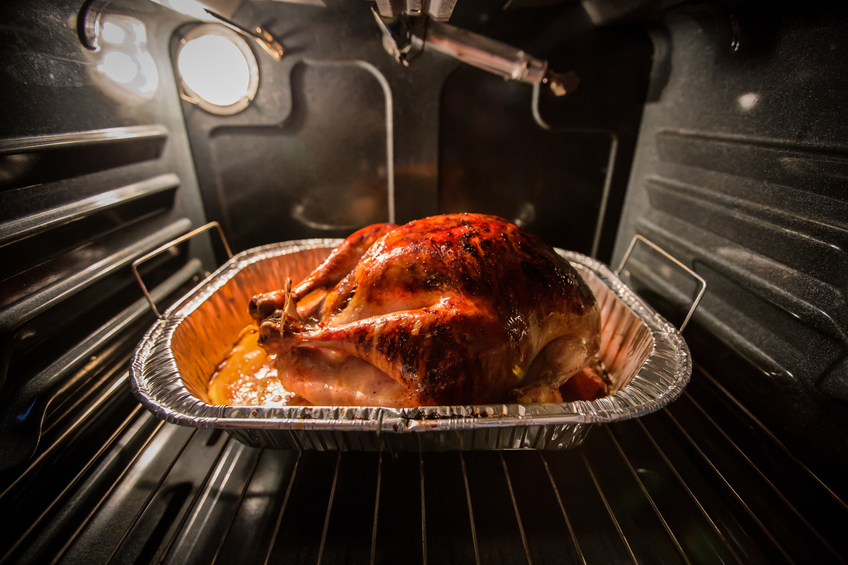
(579,553)
(733,491)
(763,475)
(609,510)
(648,497)
(659,488)
(149,498)
(688,490)
(76,533)
(237,506)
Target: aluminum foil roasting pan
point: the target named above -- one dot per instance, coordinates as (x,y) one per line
(647,359)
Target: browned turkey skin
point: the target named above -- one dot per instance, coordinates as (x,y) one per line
(453,309)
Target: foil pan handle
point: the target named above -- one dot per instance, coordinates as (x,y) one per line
(636,239)
(170,244)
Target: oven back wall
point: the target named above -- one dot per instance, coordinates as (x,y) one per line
(340,135)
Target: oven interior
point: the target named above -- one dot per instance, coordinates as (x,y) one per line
(716,130)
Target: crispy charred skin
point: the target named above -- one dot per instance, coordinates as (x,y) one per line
(455,308)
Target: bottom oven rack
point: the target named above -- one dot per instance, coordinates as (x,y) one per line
(702,481)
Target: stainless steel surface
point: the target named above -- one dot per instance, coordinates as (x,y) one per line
(414,7)
(485,53)
(703,284)
(404,38)
(647,360)
(386,9)
(439,10)
(174,242)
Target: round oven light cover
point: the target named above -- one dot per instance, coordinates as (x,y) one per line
(217,69)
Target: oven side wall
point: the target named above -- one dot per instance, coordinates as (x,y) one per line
(740,173)
(95,171)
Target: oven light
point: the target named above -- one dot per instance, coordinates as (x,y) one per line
(217,69)
(214,68)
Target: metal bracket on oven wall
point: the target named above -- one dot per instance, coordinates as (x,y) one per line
(169,245)
(405,34)
(636,239)
(439,10)
(261,35)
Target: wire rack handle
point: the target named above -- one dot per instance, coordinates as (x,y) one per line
(636,239)
(169,245)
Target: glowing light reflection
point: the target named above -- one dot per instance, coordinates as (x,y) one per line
(119,66)
(113,34)
(748,101)
(215,69)
(124,57)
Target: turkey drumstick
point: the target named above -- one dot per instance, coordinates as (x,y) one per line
(332,270)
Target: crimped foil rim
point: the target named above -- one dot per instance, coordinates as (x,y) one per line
(157,383)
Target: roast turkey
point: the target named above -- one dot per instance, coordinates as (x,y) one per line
(452,309)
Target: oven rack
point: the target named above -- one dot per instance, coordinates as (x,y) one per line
(702,481)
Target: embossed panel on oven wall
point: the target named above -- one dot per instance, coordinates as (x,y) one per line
(327,169)
(556,165)
(741,173)
(94,172)
(339,135)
